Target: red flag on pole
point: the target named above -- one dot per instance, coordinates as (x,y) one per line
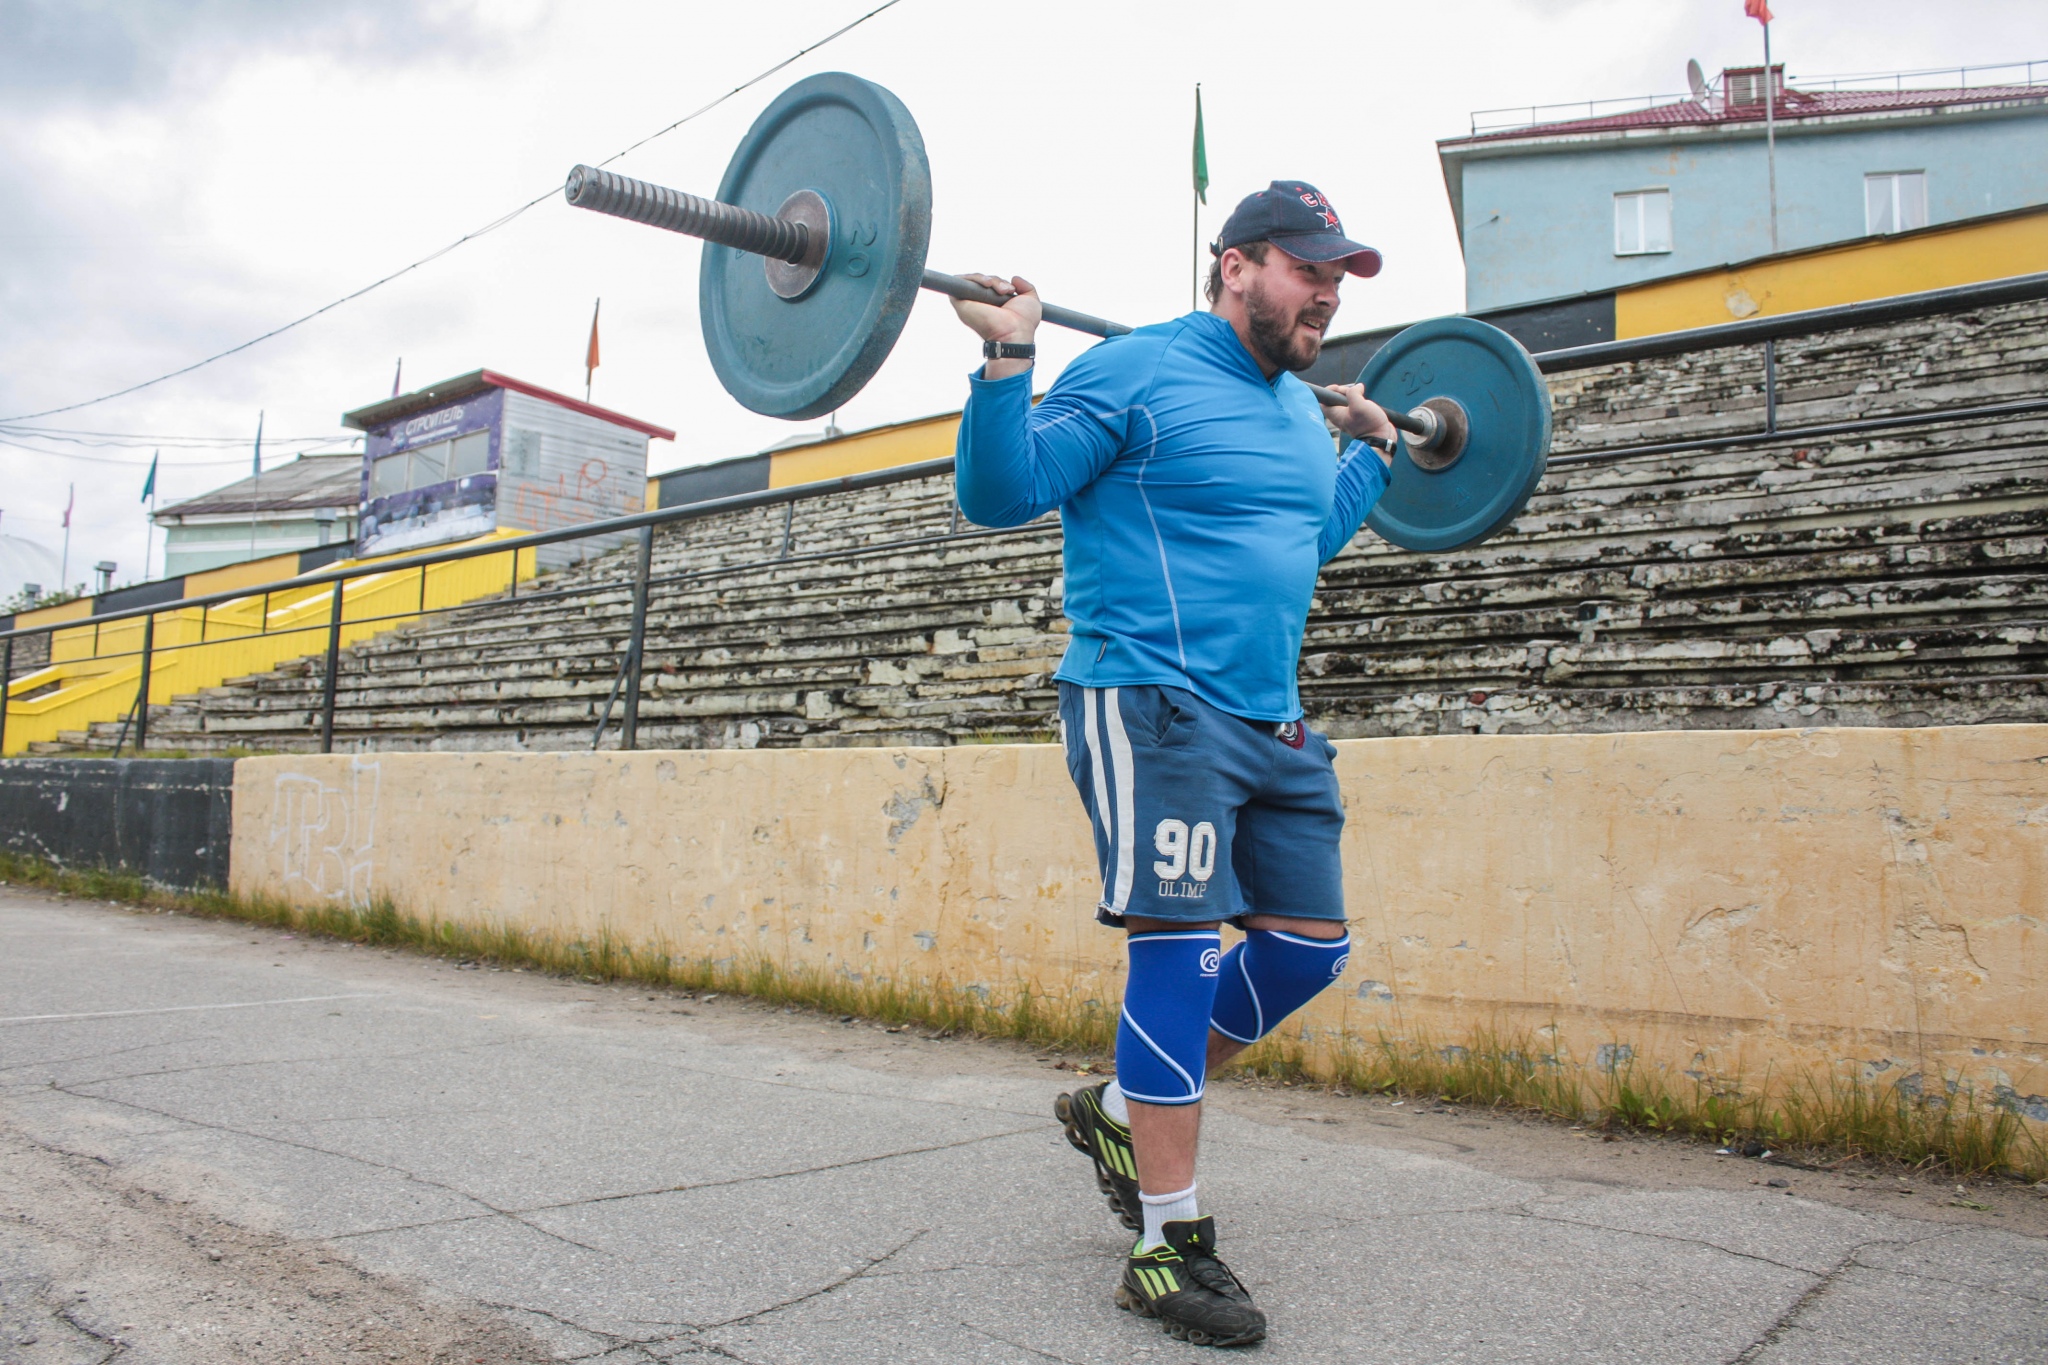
(1758,10)
(69,501)
(590,355)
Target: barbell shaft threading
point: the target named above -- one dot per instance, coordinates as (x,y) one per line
(640,201)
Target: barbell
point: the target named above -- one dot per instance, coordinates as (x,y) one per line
(814,252)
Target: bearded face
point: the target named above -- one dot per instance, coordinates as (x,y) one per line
(1286,334)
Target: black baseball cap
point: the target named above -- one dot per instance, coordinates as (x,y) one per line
(1294,216)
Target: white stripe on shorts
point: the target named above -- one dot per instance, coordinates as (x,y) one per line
(1123,774)
(1092,737)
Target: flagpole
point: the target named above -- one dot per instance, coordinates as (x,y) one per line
(1771,133)
(64,569)
(256,485)
(1201,188)
(149,526)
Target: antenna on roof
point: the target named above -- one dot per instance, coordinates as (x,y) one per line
(1697,79)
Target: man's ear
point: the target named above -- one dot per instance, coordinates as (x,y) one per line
(1235,263)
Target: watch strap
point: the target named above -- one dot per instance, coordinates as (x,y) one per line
(1009,350)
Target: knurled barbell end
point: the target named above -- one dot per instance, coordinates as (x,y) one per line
(580,179)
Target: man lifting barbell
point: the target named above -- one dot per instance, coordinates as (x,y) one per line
(1198,498)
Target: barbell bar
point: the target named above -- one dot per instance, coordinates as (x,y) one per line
(790,241)
(829,194)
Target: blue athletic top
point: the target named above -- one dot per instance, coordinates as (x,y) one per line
(1198,500)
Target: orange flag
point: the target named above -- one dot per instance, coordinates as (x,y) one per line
(590,355)
(1758,10)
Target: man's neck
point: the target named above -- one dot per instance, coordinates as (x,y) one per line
(1241,323)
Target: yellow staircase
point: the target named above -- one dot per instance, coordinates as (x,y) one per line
(94,667)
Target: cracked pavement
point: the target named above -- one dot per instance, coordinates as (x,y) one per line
(506,1167)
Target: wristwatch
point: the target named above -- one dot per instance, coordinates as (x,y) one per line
(1009,350)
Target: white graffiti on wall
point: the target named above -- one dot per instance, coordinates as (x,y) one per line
(326,834)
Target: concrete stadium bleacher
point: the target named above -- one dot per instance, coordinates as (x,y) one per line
(1871,577)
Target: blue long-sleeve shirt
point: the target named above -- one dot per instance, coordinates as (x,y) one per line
(1198,500)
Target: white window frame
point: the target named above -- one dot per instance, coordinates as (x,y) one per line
(1638,200)
(1896,182)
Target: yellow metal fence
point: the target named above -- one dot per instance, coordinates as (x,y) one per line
(95,670)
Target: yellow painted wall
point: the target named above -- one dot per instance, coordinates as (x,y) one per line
(929,438)
(50,616)
(94,670)
(1935,258)
(1798,903)
(248,574)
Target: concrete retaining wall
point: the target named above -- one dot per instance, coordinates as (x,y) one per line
(167,819)
(1855,901)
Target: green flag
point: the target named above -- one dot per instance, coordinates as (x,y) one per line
(149,484)
(1201,152)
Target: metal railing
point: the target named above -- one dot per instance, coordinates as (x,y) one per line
(2015,74)
(626,682)
(1932,78)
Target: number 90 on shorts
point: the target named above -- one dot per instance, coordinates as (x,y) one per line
(1184,851)
(1200,815)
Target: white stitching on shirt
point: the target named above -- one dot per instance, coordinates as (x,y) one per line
(1144,463)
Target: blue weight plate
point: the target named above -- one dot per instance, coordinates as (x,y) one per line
(1506,451)
(855,144)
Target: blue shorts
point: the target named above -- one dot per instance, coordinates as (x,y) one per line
(1202,815)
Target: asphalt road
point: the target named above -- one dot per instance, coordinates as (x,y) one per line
(220,1143)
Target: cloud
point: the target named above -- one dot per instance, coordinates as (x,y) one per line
(91,52)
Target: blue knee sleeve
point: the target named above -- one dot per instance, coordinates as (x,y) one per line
(1271,975)
(1162,1039)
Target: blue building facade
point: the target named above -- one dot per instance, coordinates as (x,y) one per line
(1560,209)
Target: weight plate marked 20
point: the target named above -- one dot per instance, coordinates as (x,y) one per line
(855,145)
(1507,445)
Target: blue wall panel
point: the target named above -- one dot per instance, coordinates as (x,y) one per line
(1540,225)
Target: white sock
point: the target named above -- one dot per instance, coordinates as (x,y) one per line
(1161,1209)
(1113,1104)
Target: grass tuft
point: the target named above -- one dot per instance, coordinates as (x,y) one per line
(1825,1117)
(1032,1015)
(1831,1117)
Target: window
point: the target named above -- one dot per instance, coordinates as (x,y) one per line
(1894,201)
(429,465)
(469,455)
(387,476)
(441,462)
(1642,222)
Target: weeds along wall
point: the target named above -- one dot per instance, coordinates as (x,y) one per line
(1708,907)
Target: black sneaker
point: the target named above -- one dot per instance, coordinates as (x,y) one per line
(1193,1294)
(1108,1144)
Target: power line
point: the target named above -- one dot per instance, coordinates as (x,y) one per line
(489,227)
(139,463)
(121,440)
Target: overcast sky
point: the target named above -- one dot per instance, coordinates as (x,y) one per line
(178,178)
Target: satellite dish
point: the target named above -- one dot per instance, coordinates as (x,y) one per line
(1697,79)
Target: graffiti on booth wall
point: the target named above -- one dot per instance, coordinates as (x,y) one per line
(594,494)
(325,833)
